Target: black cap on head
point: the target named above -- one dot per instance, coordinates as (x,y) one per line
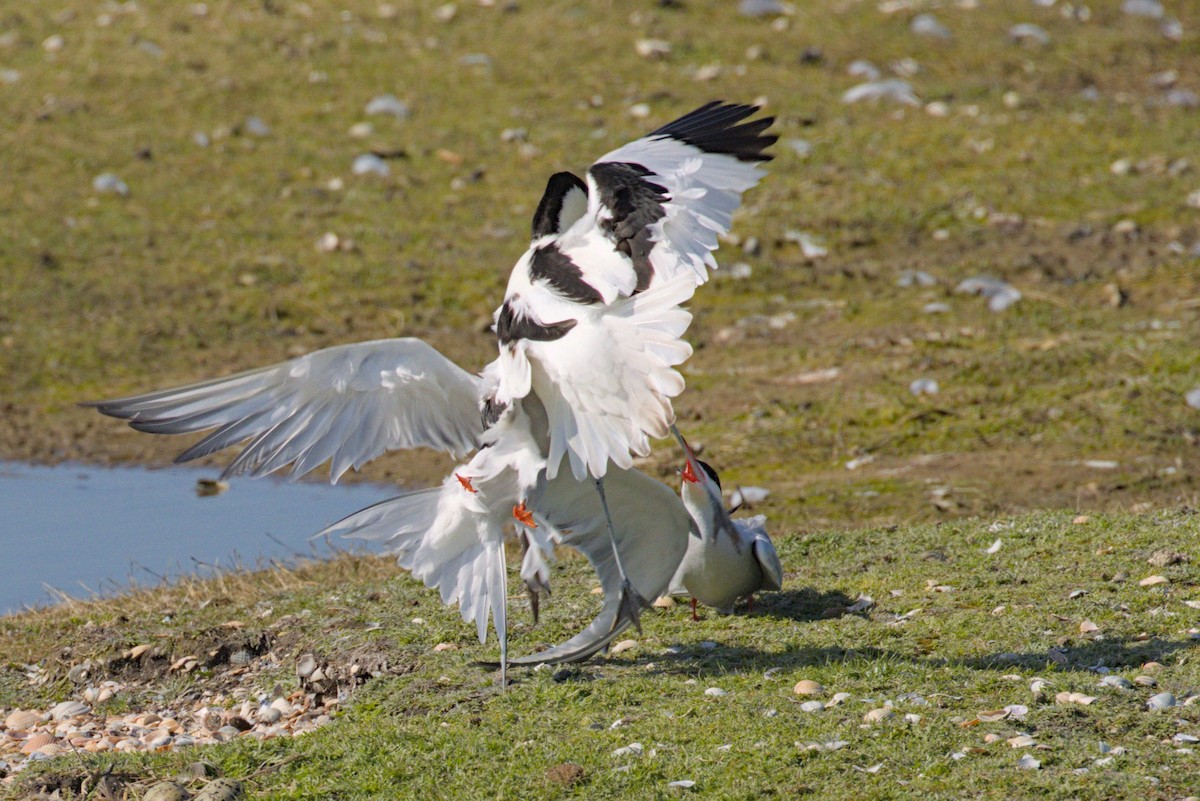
(711,472)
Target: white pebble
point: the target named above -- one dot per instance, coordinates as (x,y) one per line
(256,127)
(388,104)
(812,706)
(925,386)
(1027,32)
(891,89)
(861,68)
(633,749)
(109,183)
(370,164)
(715,692)
(928,25)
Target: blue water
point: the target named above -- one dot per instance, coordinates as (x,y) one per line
(87,530)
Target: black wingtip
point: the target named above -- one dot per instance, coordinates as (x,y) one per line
(714,128)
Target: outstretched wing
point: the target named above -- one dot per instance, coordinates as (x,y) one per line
(662,200)
(651,527)
(347,404)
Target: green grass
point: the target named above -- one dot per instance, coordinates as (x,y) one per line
(210,266)
(446,730)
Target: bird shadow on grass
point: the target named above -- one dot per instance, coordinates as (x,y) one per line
(807,604)
(1115,654)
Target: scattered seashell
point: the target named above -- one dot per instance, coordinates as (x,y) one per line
(1162,701)
(878,715)
(892,89)
(370,164)
(1145,681)
(808,687)
(1088,627)
(633,749)
(306,666)
(762,8)
(1028,33)
(1119,682)
(109,184)
(68,709)
(623,645)
(838,698)
(664,602)
(861,68)
(388,104)
(652,48)
(812,706)
(915,278)
(999,294)
(715,692)
(682,784)
(1074,698)
(256,127)
(22,720)
(809,247)
(1027,762)
(445,646)
(1151,581)
(926,386)
(37,741)
(1022,741)
(993,715)
(928,25)
(1152,9)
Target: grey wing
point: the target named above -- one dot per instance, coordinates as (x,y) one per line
(764,552)
(652,527)
(347,404)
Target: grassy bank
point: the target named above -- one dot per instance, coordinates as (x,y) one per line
(955,635)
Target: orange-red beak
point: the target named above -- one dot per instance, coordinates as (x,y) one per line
(524,515)
(688,473)
(466,482)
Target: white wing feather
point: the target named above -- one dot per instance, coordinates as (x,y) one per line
(347,404)
(607,384)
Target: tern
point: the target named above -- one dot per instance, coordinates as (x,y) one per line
(726,559)
(646,220)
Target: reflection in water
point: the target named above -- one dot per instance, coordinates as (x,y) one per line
(85,529)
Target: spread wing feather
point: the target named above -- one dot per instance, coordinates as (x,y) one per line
(346,404)
(608,383)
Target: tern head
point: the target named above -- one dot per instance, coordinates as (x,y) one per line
(695,472)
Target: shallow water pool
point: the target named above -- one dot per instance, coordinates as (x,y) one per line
(84,530)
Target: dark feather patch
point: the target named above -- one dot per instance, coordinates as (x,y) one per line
(491,411)
(713,128)
(549,211)
(636,205)
(511,327)
(712,473)
(551,265)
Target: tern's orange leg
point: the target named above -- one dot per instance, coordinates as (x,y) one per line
(524,515)
(694,615)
